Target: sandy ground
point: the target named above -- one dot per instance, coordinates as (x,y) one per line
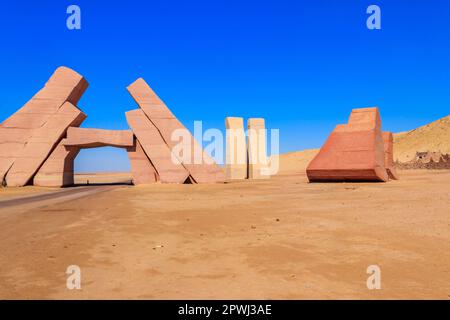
(7,193)
(105,177)
(280,238)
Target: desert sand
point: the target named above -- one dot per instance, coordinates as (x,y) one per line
(277,238)
(253,239)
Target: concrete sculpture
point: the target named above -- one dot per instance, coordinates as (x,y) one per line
(236,149)
(39,143)
(353,152)
(257,150)
(64,86)
(201,169)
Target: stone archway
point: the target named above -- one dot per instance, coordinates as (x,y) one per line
(58,169)
(38,143)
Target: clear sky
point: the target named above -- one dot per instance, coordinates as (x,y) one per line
(302,65)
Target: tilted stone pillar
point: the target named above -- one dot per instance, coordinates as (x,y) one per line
(156,149)
(41,144)
(65,85)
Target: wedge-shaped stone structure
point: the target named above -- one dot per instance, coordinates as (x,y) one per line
(200,166)
(236,149)
(156,149)
(65,85)
(353,152)
(388,141)
(258,162)
(41,143)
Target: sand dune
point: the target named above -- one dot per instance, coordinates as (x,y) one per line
(431,137)
(296,162)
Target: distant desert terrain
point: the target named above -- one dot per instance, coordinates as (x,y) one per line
(261,239)
(431,137)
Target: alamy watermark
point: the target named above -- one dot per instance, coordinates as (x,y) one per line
(374,280)
(73,280)
(374,20)
(73,21)
(239,147)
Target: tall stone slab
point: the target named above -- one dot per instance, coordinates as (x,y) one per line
(236,149)
(352,152)
(58,169)
(64,85)
(141,166)
(169,169)
(388,141)
(42,142)
(257,149)
(200,165)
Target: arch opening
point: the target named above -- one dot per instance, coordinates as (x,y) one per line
(103,165)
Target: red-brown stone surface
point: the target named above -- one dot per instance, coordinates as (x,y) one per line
(353,152)
(388,141)
(156,148)
(202,168)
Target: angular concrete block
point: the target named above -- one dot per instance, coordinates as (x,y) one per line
(156,148)
(236,149)
(353,152)
(388,141)
(199,164)
(42,142)
(94,138)
(141,166)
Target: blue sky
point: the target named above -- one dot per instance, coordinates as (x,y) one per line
(302,65)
